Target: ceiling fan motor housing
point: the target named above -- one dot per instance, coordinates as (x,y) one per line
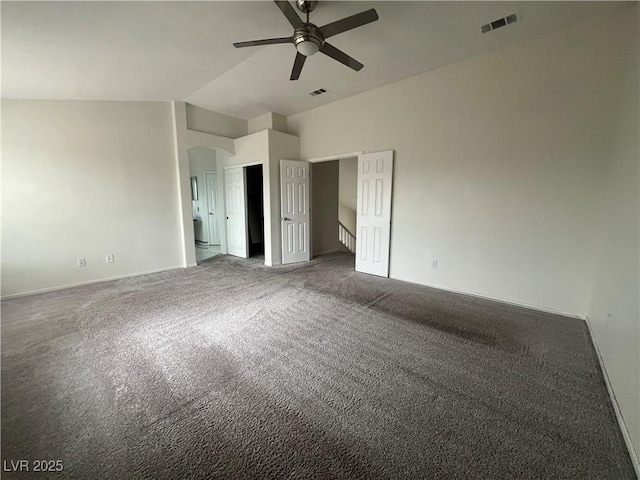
(308,40)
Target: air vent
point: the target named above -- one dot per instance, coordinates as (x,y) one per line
(320,91)
(500,22)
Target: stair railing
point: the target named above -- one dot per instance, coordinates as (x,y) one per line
(347,238)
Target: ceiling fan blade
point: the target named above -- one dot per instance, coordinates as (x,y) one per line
(266,41)
(340,56)
(290,13)
(349,23)
(297,66)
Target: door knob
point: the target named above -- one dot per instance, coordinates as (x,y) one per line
(286,219)
(210,213)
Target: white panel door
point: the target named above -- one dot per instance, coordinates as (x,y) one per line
(235,194)
(212,206)
(373,223)
(294,186)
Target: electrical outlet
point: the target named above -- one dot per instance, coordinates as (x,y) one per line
(82,262)
(434,264)
(110,258)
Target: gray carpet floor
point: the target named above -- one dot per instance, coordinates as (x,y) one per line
(236,370)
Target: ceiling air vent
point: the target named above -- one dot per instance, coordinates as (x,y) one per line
(320,91)
(500,22)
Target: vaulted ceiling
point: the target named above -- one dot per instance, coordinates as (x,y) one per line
(183,50)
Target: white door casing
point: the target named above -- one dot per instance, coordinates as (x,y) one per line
(211,179)
(294,194)
(235,195)
(373,223)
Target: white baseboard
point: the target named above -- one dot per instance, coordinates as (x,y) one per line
(616,407)
(497,299)
(89,282)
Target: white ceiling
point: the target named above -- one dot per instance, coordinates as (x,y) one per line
(183,50)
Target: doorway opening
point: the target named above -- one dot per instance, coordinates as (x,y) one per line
(255,210)
(205,205)
(334,185)
(372,208)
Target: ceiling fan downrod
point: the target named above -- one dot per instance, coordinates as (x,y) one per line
(306,6)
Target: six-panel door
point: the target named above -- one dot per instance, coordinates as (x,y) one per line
(294,184)
(375,178)
(234,182)
(212,206)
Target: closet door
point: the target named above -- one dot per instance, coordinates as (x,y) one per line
(235,194)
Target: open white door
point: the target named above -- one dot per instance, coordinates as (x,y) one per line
(212,206)
(373,223)
(234,185)
(294,188)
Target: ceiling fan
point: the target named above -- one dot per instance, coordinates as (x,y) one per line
(310,39)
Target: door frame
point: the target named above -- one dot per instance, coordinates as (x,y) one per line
(328,158)
(184,140)
(340,156)
(265,204)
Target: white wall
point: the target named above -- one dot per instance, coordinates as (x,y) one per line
(86,179)
(268,121)
(509,165)
(498,164)
(258,124)
(254,148)
(183,140)
(279,123)
(282,146)
(202,120)
(614,310)
(267,147)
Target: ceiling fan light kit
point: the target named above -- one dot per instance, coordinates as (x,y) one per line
(310,39)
